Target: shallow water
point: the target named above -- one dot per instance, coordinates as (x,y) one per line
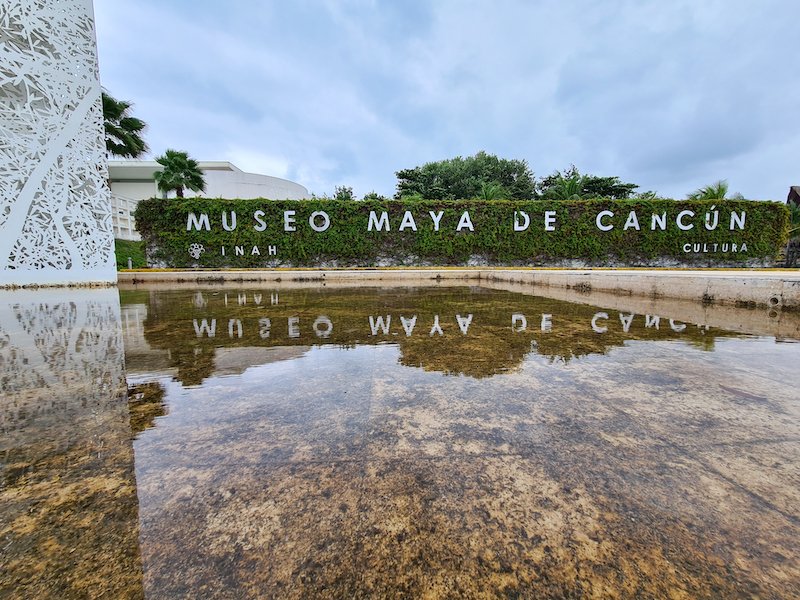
(430,442)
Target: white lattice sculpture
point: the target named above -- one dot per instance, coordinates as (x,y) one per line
(55,219)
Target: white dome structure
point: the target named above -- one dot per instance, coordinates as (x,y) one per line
(132,181)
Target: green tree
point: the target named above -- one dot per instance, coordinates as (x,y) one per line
(123,132)
(342,192)
(570,184)
(179,172)
(375,196)
(564,186)
(461,178)
(715,191)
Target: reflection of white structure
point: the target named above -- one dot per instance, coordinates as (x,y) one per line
(55,225)
(64,345)
(132,181)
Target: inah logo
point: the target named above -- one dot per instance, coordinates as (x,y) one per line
(195,250)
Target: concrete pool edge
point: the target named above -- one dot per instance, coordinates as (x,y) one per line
(745,288)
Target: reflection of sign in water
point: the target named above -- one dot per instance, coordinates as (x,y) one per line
(387,325)
(476,332)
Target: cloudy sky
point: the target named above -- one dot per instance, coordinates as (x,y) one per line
(671,94)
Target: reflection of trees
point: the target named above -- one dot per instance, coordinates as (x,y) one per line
(489,347)
(194,363)
(489,351)
(145,404)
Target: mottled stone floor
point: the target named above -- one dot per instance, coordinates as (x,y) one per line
(656,471)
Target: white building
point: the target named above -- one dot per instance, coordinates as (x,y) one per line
(132,181)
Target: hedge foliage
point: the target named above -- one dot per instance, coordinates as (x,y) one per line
(125,249)
(163,225)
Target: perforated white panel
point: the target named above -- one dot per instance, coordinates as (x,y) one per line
(55,220)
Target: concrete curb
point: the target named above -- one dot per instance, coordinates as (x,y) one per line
(771,289)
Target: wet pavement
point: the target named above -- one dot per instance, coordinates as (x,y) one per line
(432,442)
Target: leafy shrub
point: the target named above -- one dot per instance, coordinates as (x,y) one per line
(163,226)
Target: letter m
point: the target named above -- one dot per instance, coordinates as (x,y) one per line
(193,222)
(376,223)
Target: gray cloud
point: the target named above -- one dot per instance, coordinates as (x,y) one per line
(668,95)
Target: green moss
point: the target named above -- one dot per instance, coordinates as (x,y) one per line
(347,242)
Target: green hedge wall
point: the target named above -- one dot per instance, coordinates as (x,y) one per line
(163,225)
(124,249)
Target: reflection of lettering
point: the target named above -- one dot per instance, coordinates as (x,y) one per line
(380,323)
(596,318)
(519,322)
(205,327)
(464,323)
(436,328)
(293,326)
(235,323)
(408,326)
(323,326)
(264,325)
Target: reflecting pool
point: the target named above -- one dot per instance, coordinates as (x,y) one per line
(244,442)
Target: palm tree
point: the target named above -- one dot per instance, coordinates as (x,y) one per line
(566,188)
(492,191)
(794,218)
(716,191)
(179,172)
(123,132)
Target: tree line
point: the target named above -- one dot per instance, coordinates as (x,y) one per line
(487,177)
(480,177)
